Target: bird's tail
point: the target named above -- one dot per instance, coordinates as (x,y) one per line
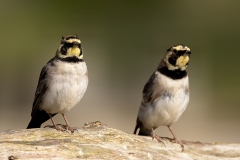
(142,130)
(135,130)
(38,118)
(145,132)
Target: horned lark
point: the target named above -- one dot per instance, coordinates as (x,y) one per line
(62,83)
(166,94)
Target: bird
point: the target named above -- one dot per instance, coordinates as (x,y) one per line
(166,94)
(61,85)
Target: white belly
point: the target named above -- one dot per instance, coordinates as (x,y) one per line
(67,84)
(168,109)
(165,110)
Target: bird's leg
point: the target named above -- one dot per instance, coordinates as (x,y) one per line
(157,137)
(67,125)
(175,138)
(54,125)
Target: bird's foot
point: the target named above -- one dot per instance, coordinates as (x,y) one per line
(175,138)
(55,127)
(68,128)
(180,143)
(157,138)
(59,129)
(62,128)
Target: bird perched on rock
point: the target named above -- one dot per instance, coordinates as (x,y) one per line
(62,83)
(166,94)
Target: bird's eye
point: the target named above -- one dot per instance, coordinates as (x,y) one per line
(172,60)
(174,51)
(63,50)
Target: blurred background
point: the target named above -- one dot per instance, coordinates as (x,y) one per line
(123,42)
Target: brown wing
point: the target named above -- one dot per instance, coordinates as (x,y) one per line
(148,94)
(41,88)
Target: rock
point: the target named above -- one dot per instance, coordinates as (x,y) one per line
(97,141)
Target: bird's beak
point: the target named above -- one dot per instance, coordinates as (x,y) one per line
(76,44)
(187,52)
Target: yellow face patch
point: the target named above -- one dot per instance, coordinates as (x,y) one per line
(74,51)
(182,61)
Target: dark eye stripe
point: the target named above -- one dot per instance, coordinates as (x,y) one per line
(69,45)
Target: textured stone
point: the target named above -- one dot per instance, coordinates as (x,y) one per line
(102,142)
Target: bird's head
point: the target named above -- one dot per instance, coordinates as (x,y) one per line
(70,47)
(177,57)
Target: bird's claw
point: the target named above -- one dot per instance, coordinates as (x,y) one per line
(157,138)
(180,143)
(182,146)
(61,127)
(68,128)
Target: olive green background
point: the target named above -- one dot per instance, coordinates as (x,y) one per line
(123,42)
